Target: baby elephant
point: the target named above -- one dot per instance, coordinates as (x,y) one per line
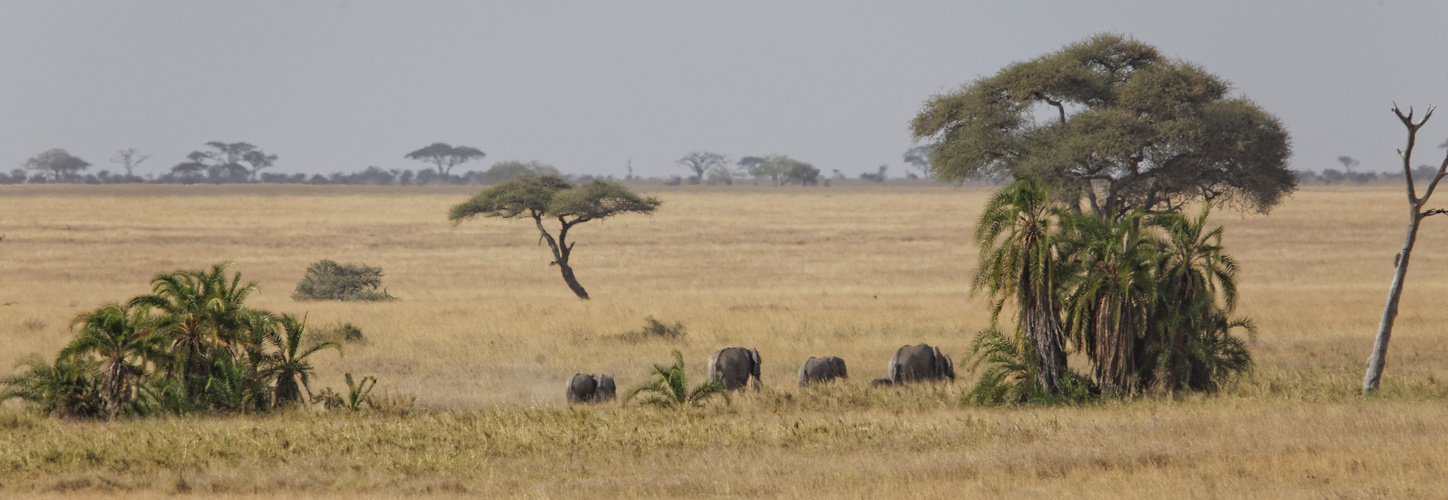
(734,366)
(920,363)
(821,370)
(587,388)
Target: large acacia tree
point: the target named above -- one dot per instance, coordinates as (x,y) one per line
(1112,123)
(550,197)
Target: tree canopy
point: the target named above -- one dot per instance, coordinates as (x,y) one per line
(57,164)
(445,156)
(1111,122)
(549,196)
(700,162)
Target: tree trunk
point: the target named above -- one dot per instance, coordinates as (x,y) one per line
(572,282)
(561,252)
(1390,312)
(1046,332)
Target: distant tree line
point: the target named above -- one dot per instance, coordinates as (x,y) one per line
(706,167)
(240,162)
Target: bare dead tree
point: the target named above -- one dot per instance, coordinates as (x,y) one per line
(1416,214)
(129,159)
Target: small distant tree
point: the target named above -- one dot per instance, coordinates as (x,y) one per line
(1348,163)
(57,164)
(224,162)
(919,158)
(445,157)
(781,169)
(129,159)
(549,196)
(801,173)
(720,174)
(508,170)
(878,176)
(328,280)
(749,162)
(1417,211)
(699,162)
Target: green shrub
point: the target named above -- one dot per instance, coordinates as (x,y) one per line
(328,280)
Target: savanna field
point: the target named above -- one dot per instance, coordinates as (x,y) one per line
(484,334)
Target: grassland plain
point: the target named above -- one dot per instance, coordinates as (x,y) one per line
(485,333)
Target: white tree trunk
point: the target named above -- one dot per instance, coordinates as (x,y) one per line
(1390,312)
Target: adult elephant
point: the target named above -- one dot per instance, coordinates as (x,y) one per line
(589,388)
(821,370)
(733,366)
(913,363)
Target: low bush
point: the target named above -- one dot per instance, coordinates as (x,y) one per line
(328,280)
(655,329)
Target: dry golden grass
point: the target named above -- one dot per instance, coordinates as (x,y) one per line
(485,333)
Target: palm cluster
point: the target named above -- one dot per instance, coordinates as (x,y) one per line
(1147,298)
(190,346)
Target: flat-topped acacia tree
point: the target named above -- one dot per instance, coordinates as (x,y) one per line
(551,197)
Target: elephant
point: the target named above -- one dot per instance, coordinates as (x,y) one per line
(588,388)
(920,362)
(733,366)
(881,382)
(821,370)
(606,390)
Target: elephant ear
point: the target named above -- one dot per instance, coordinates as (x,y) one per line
(713,366)
(754,356)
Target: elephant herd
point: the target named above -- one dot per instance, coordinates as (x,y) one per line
(736,366)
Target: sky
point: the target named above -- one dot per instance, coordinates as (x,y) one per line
(591,87)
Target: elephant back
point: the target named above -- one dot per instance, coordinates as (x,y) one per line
(581,388)
(821,369)
(913,363)
(734,366)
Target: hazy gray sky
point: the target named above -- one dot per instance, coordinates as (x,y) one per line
(587,86)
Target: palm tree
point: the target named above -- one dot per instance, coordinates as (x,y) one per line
(65,389)
(1111,308)
(292,370)
(1011,368)
(1199,289)
(671,388)
(1018,261)
(119,337)
(199,312)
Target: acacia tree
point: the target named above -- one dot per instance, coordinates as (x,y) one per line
(1120,127)
(129,159)
(445,157)
(699,162)
(225,162)
(1416,214)
(57,164)
(551,197)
